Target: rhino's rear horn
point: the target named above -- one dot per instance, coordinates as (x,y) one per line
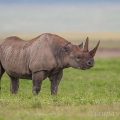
(86,45)
(92,52)
(81,46)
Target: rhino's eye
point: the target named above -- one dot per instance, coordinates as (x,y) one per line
(78,58)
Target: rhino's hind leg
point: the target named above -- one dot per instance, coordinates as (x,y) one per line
(37,79)
(14,85)
(55,80)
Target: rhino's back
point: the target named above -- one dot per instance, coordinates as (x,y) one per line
(16,42)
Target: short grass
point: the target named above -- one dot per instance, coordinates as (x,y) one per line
(87,95)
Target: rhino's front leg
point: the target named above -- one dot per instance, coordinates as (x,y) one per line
(55,80)
(37,79)
(14,85)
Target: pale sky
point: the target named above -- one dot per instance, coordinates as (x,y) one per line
(54,17)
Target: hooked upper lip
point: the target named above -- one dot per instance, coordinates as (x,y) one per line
(85,66)
(90,65)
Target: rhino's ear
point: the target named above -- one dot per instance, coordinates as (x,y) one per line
(81,46)
(64,48)
(92,52)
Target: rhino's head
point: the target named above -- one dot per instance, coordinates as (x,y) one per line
(81,58)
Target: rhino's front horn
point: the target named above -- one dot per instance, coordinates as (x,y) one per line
(92,52)
(86,45)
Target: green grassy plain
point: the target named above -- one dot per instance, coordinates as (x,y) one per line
(87,95)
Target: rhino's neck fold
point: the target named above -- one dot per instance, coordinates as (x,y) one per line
(63,57)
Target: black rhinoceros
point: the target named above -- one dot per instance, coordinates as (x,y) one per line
(44,56)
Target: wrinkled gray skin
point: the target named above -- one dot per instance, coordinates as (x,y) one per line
(44,56)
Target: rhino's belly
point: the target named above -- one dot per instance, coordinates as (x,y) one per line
(21,75)
(18,69)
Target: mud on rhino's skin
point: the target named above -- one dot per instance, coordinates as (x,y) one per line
(44,56)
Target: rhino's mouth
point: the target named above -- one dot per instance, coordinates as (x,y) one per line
(84,67)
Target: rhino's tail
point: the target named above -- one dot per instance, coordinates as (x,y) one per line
(1,73)
(0,76)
